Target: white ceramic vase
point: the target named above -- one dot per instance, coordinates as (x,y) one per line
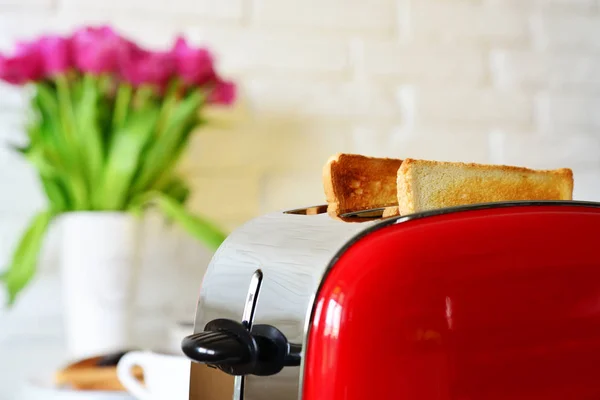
(99,261)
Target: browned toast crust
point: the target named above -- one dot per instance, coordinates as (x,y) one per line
(354,182)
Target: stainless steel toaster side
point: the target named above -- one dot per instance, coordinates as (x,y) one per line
(292,250)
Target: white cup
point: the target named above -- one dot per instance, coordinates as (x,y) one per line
(165,376)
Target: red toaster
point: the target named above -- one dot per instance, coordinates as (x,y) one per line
(490,301)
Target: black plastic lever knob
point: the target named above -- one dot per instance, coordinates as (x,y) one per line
(215,348)
(229,346)
(224,344)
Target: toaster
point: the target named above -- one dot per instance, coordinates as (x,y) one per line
(488,301)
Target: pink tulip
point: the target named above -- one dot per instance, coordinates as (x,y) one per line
(223,93)
(56,54)
(194,66)
(100,50)
(25,66)
(146,67)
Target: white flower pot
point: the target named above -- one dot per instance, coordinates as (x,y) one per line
(99,260)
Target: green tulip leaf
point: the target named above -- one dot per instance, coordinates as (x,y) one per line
(24,261)
(198,227)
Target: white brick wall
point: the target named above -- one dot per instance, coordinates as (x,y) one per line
(450,105)
(394,61)
(568,112)
(328,16)
(474,80)
(567,31)
(462,22)
(568,71)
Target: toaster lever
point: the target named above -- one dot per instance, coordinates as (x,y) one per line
(294,355)
(274,350)
(217,347)
(229,346)
(224,344)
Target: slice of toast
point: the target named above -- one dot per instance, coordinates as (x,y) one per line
(353,182)
(390,212)
(426,185)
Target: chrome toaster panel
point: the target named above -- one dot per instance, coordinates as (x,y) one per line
(292,251)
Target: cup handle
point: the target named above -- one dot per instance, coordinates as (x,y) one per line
(125,375)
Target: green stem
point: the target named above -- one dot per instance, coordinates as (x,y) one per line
(169,102)
(121,105)
(105,82)
(66,107)
(138,203)
(141,96)
(91,141)
(67,115)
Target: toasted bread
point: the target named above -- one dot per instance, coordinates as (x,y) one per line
(390,212)
(426,185)
(354,182)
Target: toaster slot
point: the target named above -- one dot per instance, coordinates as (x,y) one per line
(355,216)
(313,210)
(374,213)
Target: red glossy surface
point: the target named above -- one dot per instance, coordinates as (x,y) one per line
(489,304)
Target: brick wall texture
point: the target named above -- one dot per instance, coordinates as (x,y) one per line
(502,81)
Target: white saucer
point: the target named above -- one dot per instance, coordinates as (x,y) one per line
(44,389)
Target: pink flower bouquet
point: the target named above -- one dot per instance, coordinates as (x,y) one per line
(110,122)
